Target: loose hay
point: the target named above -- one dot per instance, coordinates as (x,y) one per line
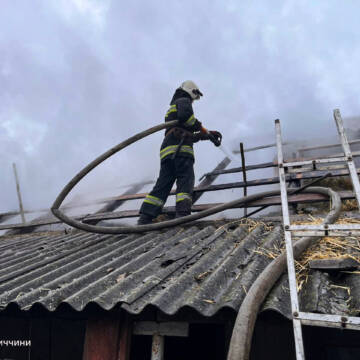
(349,205)
(328,248)
(324,248)
(251,224)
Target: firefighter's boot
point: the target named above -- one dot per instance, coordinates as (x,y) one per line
(183,205)
(145,219)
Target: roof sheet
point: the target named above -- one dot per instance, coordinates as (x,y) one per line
(203,267)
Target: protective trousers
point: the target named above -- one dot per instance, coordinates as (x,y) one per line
(181,170)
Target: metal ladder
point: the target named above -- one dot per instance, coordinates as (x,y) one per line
(306,318)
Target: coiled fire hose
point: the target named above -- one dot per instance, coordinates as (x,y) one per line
(239,348)
(140,228)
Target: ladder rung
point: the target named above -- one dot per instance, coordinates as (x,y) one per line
(324,230)
(322,233)
(327,320)
(317,161)
(307,168)
(342,227)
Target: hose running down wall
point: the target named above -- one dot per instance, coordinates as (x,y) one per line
(240,343)
(141,228)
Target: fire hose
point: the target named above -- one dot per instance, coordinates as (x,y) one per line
(140,228)
(242,334)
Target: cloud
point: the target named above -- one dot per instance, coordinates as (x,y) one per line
(94,11)
(24,131)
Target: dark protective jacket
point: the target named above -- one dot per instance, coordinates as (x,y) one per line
(180,109)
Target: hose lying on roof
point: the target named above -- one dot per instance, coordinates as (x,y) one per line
(242,334)
(240,343)
(141,228)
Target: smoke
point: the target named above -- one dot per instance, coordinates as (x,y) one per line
(77,77)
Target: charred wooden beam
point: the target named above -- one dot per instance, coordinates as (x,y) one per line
(274,180)
(115,204)
(109,207)
(210,179)
(8,215)
(327,146)
(267,181)
(260,147)
(293,192)
(304,198)
(271,164)
(240,169)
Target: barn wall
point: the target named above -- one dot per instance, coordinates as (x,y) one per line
(56,336)
(51,338)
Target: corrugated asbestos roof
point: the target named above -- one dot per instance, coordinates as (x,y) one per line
(204,268)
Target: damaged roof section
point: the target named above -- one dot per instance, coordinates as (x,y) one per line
(206,267)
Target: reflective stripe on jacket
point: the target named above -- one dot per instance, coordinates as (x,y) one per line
(185,149)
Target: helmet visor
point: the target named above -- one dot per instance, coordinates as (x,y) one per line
(197,93)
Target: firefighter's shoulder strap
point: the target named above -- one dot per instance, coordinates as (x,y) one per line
(180,133)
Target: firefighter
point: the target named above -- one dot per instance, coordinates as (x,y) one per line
(177,155)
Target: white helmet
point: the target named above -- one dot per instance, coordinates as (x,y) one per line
(191,88)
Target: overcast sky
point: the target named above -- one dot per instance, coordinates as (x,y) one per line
(79,76)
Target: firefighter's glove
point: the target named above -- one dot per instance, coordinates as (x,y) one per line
(200,136)
(215,137)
